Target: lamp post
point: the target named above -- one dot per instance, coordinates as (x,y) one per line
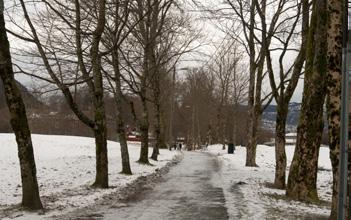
(171,141)
(342,203)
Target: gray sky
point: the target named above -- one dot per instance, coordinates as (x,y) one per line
(212,37)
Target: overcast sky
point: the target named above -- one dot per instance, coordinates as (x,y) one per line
(212,37)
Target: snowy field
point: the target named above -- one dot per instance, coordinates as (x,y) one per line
(248,196)
(66,169)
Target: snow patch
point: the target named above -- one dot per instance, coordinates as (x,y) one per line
(66,170)
(249,197)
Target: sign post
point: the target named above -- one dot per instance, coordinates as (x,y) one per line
(342,203)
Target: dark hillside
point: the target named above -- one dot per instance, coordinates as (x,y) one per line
(29,99)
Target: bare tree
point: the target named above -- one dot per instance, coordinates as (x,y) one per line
(334,78)
(225,70)
(60,24)
(238,97)
(19,122)
(302,181)
(199,106)
(117,31)
(287,80)
(176,37)
(251,38)
(142,62)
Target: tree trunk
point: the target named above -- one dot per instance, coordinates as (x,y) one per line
(157,146)
(252,143)
(280,155)
(255,117)
(121,132)
(303,171)
(283,96)
(119,119)
(255,105)
(101,178)
(100,130)
(144,129)
(158,115)
(147,32)
(334,62)
(19,123)
(124,146)
(252,140)
(304,167)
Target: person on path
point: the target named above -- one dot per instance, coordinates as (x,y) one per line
(180,146)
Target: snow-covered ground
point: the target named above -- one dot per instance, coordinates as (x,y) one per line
(66,169)
(246,191)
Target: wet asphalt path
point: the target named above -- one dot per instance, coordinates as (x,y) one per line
(191,190)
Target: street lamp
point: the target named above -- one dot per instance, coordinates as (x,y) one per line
(342,204)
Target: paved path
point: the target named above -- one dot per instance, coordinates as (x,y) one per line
(187,192)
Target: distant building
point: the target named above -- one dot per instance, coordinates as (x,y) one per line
(290,139)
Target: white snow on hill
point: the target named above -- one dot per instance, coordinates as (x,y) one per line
(66,169)
(246,191)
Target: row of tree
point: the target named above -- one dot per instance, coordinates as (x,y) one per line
(268,31)
(108,47)
(130,48)
(284,41)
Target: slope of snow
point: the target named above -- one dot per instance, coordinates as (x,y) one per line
(66,169)
(248,185)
